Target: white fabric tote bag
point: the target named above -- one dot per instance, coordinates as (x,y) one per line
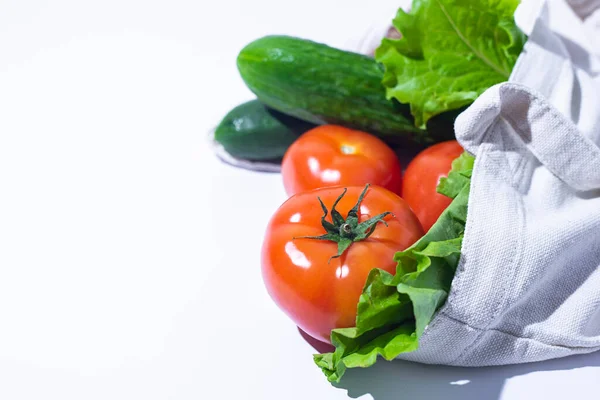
(527,287)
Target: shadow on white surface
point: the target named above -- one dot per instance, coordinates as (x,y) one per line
(406,380)
(319,346)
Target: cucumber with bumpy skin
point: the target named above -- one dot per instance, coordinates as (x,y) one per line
(323,85)
(252,131)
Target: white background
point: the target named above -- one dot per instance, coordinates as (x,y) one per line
(129,255)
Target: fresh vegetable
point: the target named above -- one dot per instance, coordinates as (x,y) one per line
(323,85)
(450,52)
(320,246)
(331,155)
(394,309)
(421,179)
(252,131)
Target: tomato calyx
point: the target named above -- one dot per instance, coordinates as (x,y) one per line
(346,231)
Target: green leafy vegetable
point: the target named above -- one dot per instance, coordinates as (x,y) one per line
(450,52)
(458,177)
(394,310)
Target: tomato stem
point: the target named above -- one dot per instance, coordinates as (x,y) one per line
(345,231)
(346,228)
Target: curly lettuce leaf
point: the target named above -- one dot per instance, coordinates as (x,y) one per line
(458,177)
(394,310)
(450,52)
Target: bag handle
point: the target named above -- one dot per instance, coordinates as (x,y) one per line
(553,139)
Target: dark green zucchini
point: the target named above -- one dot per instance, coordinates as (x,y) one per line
(252,131)
(323,85)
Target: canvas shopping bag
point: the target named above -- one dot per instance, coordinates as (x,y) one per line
(527,287)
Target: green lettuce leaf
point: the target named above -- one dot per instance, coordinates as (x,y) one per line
(450,52)
(394,310)
(458,177)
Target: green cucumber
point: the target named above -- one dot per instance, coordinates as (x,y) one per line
(252,131)
(324,85)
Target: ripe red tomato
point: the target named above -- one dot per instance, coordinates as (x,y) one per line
(332,155)
(421,178)
(318,292)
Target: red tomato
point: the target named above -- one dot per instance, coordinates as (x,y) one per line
(422,177)
(318,292)
(332,155)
